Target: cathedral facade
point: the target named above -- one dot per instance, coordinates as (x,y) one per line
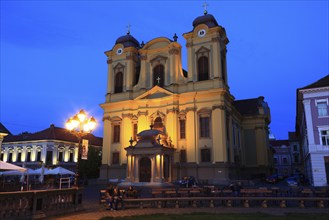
(162,123)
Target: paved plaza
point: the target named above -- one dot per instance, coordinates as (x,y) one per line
(94,210)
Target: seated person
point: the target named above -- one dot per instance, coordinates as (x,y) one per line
(131,192)
(117,197)
(108,200)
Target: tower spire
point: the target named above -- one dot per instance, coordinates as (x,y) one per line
(205,8)
(128,28)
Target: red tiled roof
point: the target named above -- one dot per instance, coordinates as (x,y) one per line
(52,133)
(249,106)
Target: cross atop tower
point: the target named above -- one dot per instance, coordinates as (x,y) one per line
(205,8)
(128,28)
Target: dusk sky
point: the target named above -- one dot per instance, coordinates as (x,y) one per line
(53,62)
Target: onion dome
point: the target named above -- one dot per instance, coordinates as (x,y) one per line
(206,19)
(127,41)
(149,134)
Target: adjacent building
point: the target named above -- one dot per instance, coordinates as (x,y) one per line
(53,146)
(287,159)
(162,122)
(3,132)
(295,154)
(312,126)
(282,162)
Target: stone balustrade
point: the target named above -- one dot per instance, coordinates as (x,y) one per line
(261,202)
(39,203)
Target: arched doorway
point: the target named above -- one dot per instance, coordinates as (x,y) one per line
(145,170)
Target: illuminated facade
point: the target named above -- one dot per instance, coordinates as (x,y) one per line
(211,135)
(53,146)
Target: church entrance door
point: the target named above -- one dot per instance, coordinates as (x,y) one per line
(145,170)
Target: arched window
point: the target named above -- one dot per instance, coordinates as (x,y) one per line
(137,73)
(203,68)
(118,82)
(158,75)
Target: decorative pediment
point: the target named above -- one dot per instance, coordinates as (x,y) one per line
(155,93)
(118,67)
(158,60)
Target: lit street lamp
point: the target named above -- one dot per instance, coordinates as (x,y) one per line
(80,126)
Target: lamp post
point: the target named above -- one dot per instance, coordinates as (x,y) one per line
(79,125)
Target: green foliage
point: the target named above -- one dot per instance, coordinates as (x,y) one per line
(90,168)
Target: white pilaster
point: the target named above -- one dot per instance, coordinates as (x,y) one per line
(309,122)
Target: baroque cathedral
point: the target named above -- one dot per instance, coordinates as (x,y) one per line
(162,123)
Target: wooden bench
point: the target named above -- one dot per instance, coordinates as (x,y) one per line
(162,192)
(102,196)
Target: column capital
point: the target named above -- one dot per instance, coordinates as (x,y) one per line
(140,113)
(173,110)
(174,51)
(306,101)
(107,118)
(189,44)
(190,109)
(221,107)
(143,57)
(127,115)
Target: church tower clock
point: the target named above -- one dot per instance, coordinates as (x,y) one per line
(206,50)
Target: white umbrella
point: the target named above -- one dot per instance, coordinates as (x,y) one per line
(42,173)
(39,171)
(12,173)
(59,171)
(9,166)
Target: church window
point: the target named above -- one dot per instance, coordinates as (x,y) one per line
(115,158)
(223,67)
(183,156)
(203,68)
(204,127)
(182,128)
(205,155)
(118,82)
(116,133)
(137,73)
(158,75)
(227,126)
